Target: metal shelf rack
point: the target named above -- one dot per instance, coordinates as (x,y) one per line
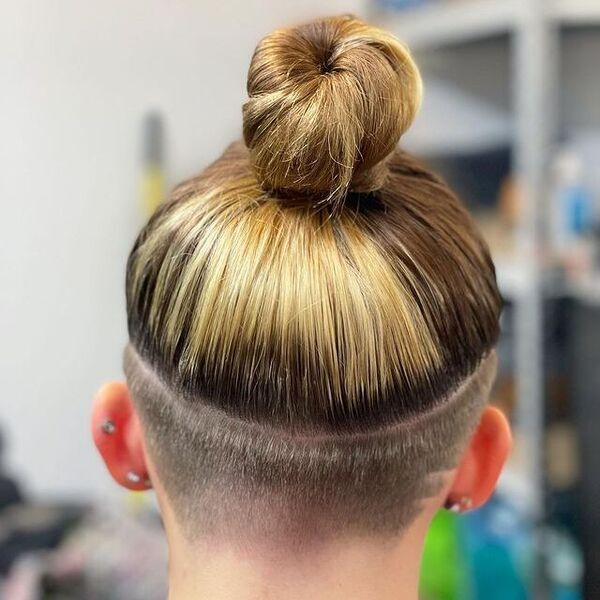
(533,30)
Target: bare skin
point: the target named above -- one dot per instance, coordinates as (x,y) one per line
(369,569)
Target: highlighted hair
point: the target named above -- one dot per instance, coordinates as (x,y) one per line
(313,284)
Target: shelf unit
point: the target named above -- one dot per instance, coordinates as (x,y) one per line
(576,12)
(437,25)
(533,30)
(458,21)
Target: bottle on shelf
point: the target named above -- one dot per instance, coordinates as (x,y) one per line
(571,216)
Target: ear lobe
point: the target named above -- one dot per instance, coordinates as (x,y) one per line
(118,436)
(482,462)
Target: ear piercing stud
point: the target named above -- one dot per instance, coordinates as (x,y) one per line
(133,477)
(108,426)
(465,503)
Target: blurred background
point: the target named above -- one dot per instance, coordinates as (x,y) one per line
(104,106)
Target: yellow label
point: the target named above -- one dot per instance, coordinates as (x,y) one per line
(153,188)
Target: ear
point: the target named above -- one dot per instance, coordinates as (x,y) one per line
(480,467)
(117,434)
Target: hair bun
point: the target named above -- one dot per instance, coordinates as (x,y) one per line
(328,102)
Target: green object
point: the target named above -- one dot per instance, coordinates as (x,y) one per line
(444,573)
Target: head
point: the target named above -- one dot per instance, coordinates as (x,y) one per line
(312,319)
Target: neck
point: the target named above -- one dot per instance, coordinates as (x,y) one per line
(365,569)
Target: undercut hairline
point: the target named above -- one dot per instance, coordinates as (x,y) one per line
(478,383)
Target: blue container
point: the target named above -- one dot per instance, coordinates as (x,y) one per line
(403,4)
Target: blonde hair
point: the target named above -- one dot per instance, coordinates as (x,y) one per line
(313,284)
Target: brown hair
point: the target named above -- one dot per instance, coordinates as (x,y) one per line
(312,317)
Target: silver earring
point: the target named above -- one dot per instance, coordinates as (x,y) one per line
(133,477)
(108,426)
(465,503)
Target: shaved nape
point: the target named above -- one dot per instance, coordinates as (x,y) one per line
(229,478)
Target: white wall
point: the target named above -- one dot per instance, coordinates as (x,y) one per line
(75,79)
